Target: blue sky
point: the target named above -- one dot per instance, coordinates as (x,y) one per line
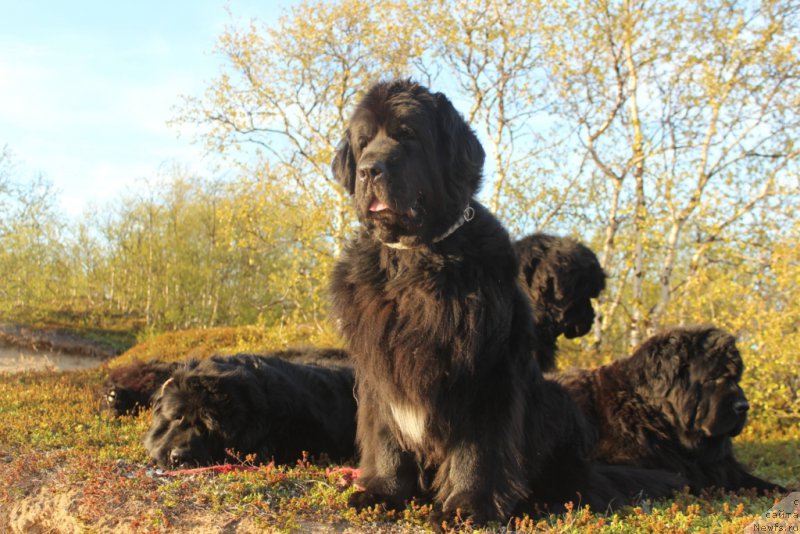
(87,87)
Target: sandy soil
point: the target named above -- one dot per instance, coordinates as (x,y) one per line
(23,348)
(46,512)
(15,359)
(49,511)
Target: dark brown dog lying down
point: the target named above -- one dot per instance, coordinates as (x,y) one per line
(674,404)
(262,405)
(131,387)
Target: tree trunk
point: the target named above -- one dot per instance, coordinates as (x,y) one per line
(640,213)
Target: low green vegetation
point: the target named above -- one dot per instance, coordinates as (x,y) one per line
(201,343)
(66,465)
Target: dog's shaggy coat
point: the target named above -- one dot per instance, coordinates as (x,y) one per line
(451,403)
(562,277)
(131,387)
(252,404)
(674,404)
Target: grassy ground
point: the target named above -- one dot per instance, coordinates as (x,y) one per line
(67,467)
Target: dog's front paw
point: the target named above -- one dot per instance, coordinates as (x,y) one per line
(361,500)
(462,511)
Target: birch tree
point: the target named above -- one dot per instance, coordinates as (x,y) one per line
(689,111)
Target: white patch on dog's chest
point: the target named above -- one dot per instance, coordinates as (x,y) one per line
(411,421)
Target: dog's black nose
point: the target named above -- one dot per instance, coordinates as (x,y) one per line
(741,407)
(178,457)
(373,171)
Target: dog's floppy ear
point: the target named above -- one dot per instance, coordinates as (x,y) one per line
(720,346)
(660,358)
(546,284)
(528,269)
(344,164)
(456,138)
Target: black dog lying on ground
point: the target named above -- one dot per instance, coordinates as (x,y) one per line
(452,406)
(562,276)
(131,387)
(262,405)
(674,404)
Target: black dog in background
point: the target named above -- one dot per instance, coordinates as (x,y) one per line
(451,404)
(562,276)
(674,404)
(131,387)
(262,405)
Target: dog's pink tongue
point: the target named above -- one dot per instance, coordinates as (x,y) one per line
(377,205)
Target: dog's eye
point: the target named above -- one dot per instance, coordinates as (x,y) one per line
(716,382)
(213,425)
(362,143)
(406,133)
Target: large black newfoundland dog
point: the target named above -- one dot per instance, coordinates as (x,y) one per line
(562,277)
(131,387)
(674,404)
(253,404)
(451,404)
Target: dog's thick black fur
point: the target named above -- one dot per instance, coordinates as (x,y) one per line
(131,387)
(562,277)
(674,404)
(451,404)
(253,404)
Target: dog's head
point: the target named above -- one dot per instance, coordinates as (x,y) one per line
(131,387)
(410,162)
(200,412)
(694,373)
(562,277)
(122,401)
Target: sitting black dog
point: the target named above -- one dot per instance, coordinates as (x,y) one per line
(674,404)
(452,407)
(131,387)
(262,405)
(561,276)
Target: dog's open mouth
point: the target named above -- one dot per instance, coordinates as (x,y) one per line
(577,330)
(378,205)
